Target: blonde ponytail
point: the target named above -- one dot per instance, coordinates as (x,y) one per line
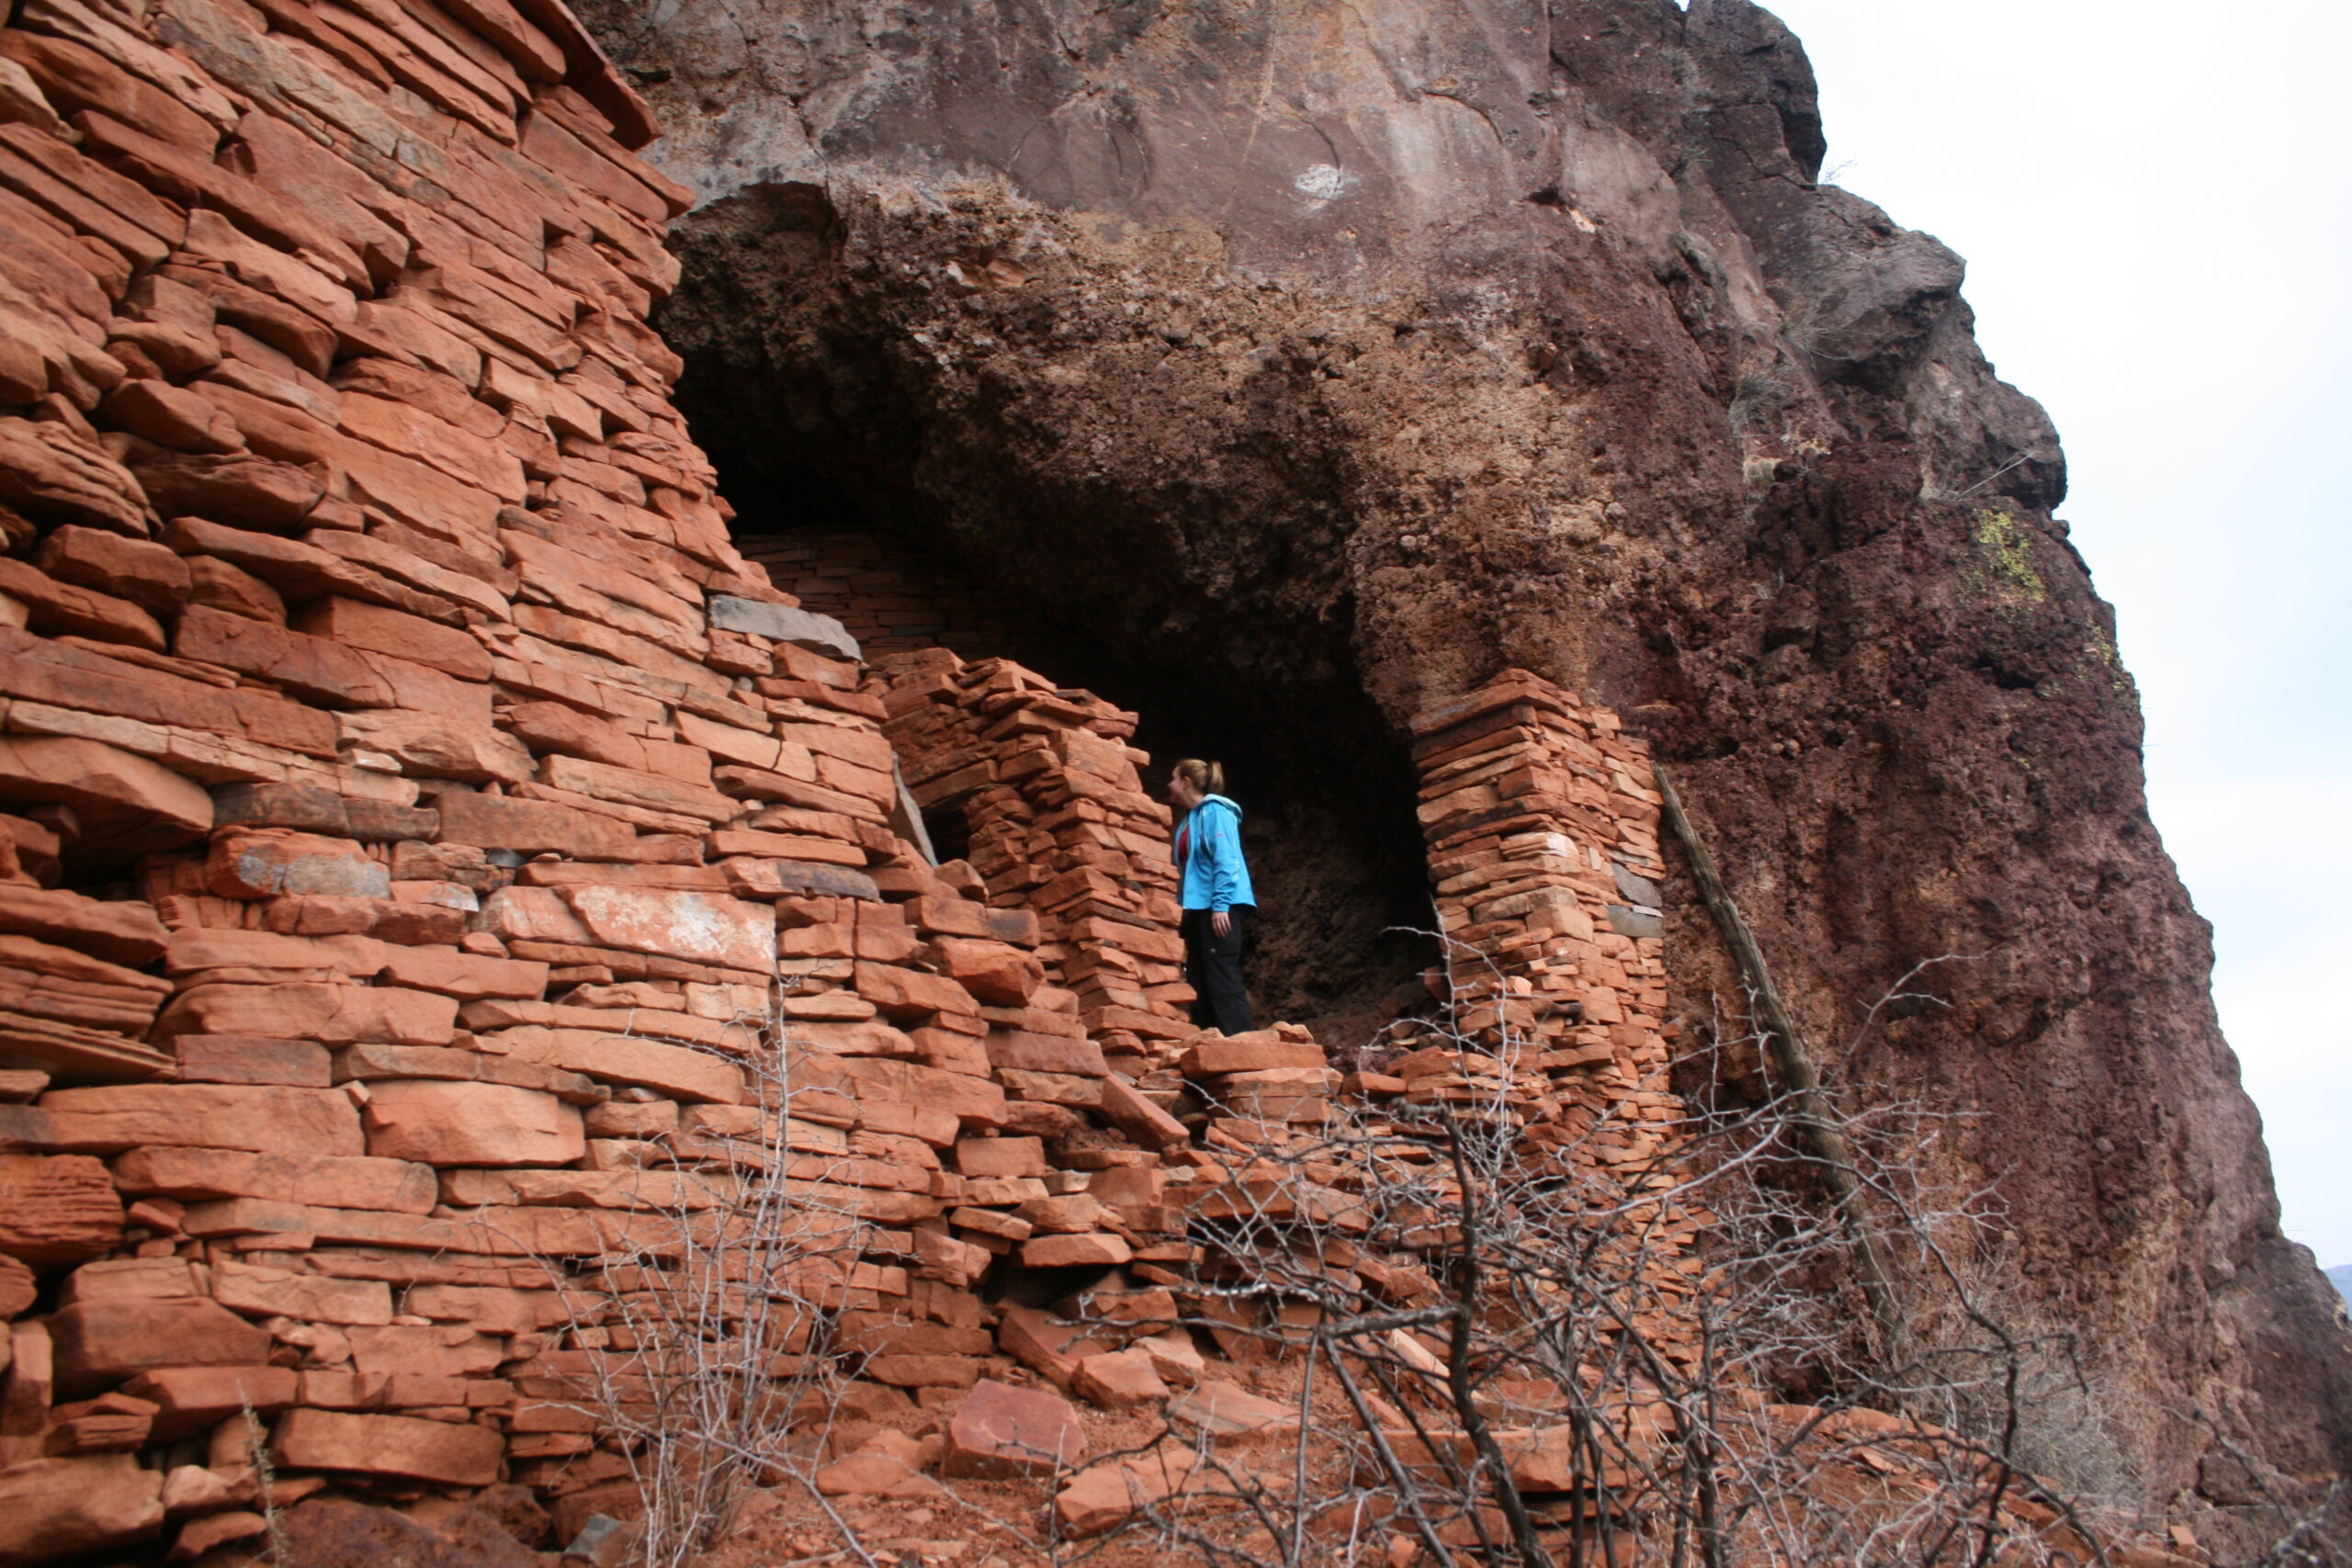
(1206,777)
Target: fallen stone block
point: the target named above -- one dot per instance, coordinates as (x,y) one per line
(1050,1349)
(61,1508)
(1001,1432)
(1102,1498)
(202,1534)
(1229,1415)
(876,1475)
(1120,1379)
(333,1532)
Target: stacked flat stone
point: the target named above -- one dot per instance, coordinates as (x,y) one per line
(1046,786)
(1541,827)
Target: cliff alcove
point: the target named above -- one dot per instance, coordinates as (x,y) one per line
(1376,361)
(1326,785)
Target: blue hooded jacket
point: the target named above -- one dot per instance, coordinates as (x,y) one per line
(1215,877)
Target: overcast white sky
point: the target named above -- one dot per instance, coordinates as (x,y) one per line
(2153,200)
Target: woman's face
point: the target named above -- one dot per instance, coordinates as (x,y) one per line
(1183,791)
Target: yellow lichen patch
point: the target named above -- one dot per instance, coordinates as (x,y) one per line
(2101,658)
(2006,569)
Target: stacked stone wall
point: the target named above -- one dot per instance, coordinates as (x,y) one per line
(1541,827)
(1042,791)
(895,599)
(428,841)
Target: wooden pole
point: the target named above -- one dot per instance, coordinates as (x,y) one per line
(1874,1269)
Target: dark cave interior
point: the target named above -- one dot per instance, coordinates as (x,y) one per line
(1325,787)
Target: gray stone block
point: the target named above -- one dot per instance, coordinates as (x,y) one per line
(777,622)
(1634,922)
(1637,890)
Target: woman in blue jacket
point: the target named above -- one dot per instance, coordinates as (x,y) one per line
(1216,894)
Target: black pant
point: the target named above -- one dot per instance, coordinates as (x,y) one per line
(1212,966)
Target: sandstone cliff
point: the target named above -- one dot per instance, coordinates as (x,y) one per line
(1310,362)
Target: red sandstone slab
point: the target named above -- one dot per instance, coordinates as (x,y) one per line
(1022,1052)
(616,1057)
(53,1508)
(265,863)
(440,1122)
(465,976)
(42,671)
(995,972)
(100,1343)
(357,625)
(1123,1380)
(1001,1432)
(1002,1157)
(910,993)
(1127,1108)
(731,933)
(531,827)
(1210,1057)
(330,1014)
(440,1452)
(111,1118)
(1084,1250)
(57,1209)
(192,1400)
(289,1176)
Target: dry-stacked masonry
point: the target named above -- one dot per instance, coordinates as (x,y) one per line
(416,809)
(1541,827)
(1043,791)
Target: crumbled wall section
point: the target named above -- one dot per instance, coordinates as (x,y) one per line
(1541,827)
(1044,787)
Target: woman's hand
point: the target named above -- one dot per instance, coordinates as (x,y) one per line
(1221,923)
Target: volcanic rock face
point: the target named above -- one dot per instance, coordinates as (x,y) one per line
(1311,362)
